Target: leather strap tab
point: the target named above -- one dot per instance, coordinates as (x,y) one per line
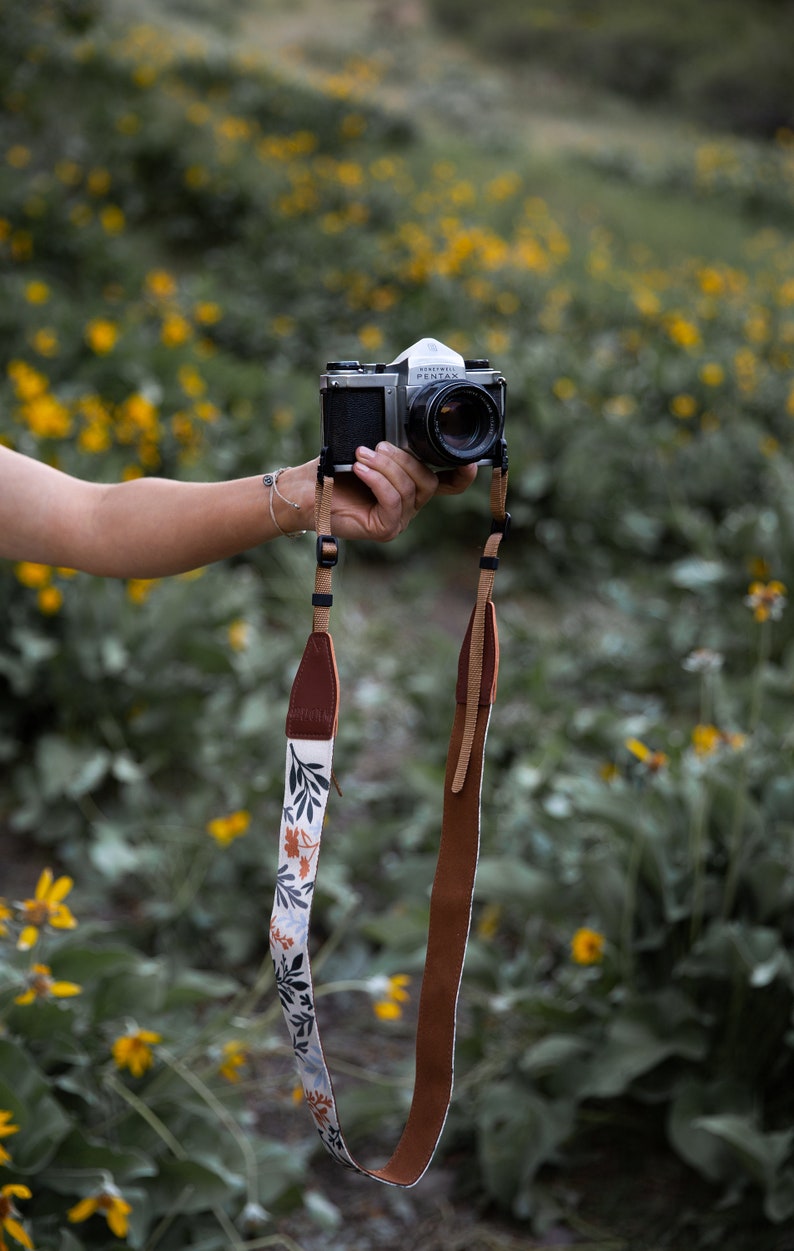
(314,702)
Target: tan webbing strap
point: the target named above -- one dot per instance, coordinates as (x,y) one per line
(327,553)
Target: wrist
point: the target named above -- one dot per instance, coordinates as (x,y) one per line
(290,500)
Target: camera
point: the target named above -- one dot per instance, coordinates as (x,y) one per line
(429,400)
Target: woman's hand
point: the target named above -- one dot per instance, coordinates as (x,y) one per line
(387,488)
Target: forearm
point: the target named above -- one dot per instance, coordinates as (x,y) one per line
(146,528)
(153,527)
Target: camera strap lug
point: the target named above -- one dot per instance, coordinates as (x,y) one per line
(311,731)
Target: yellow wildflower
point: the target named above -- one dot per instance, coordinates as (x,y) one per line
(370,337)
(6,914)
(46,908)
(564,388)
(6,1130)
(235,1055)
(683,332)
(45,342)
(767,600)
(101,335)
(175,330)
(139,589)
(238,634)
(112,219)
(191,381)
(28,382)
(160,283)
(110,1202)
(207,312)
(47,417)
(390,995)
(133,1050)
(32,575)
(683,406)
(37,292)
(49,601)
(42,985)
(587,946)
(18,156)
(225,829)
(712,374)
(652,760)
(707,738)
(98,182)
(9,1221)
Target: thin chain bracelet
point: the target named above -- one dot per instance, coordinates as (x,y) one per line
(271,480)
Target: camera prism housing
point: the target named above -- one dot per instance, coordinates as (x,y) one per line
(446,410)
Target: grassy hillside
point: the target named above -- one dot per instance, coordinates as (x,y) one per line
(194,216)
(724,62)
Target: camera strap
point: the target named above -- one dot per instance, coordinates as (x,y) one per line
(311,730)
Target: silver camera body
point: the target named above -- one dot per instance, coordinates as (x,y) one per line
(429,400)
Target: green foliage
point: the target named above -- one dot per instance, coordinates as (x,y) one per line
(121,1093)
(183,242)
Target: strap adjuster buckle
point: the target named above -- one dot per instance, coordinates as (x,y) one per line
(502,527)
(324,560)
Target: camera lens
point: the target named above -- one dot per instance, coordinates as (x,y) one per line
(452,423)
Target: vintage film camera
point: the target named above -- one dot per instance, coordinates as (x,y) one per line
(446,410)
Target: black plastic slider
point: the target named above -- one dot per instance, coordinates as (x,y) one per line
(322,601)
(324,559)
(489,562)
(325,465)
(502,527)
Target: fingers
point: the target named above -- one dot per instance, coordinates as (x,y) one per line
(455,481)
(400,483)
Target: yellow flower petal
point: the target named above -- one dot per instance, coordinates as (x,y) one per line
(28,938)
(118,1211)
(82,1210)
(59,890)
(63,990)
(44,884)
(14,1228)
(62,919)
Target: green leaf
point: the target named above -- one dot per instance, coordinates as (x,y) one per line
(25,1091)
(518,1132)
(79,1161)
(760,1154)
(691,1104)
(641,1037)
(501,879)
(190,1186)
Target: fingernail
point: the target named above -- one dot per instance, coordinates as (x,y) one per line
(366,453)
(384,447)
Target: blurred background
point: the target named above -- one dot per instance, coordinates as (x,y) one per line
(199,206)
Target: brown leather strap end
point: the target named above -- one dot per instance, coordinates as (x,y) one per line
(314,702)
(490,664)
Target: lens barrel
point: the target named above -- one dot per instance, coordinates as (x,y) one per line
(452,423)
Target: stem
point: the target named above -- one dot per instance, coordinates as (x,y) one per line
(627,920)
(224,1116)
(735,837)
(146,1114)
(698,868)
